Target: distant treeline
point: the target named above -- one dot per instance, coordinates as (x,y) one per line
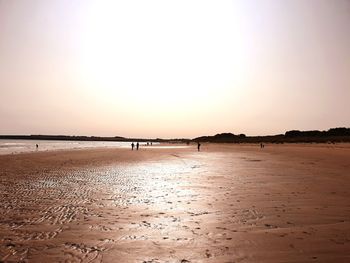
(332,135)
(330,132)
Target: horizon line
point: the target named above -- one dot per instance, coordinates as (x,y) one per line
(158,138)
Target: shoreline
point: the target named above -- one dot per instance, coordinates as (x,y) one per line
(209,146)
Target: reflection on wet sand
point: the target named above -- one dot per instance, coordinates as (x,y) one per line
(226,204)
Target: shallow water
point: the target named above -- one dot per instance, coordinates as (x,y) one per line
(20,146)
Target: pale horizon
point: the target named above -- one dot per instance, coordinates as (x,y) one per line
(173,69)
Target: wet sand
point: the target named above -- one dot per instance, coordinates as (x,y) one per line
(227,203)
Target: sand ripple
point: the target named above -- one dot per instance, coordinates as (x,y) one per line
(219,206)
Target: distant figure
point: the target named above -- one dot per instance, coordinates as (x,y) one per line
(199,146)
(147,143)
(37,146)
(151,143)
(132,146)
(261,145)
(137,146)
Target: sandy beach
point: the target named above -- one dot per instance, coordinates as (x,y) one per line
(227,203)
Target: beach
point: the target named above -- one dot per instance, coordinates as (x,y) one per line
(226,203)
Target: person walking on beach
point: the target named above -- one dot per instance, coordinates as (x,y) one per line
(137,146)
(37,146)
(132,146)
(199,146)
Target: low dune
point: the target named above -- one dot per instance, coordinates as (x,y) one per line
(227,203)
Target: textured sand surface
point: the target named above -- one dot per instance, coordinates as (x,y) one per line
(284,203)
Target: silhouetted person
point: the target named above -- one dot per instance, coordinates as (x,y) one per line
(151,143)
(37,146)
(137,146)
(199,146)
(132,146)
(261,145)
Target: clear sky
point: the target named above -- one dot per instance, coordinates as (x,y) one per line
(173,68)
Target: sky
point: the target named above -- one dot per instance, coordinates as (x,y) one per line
(173,69)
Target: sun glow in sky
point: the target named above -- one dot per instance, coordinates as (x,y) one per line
(173,68)
(157,54)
